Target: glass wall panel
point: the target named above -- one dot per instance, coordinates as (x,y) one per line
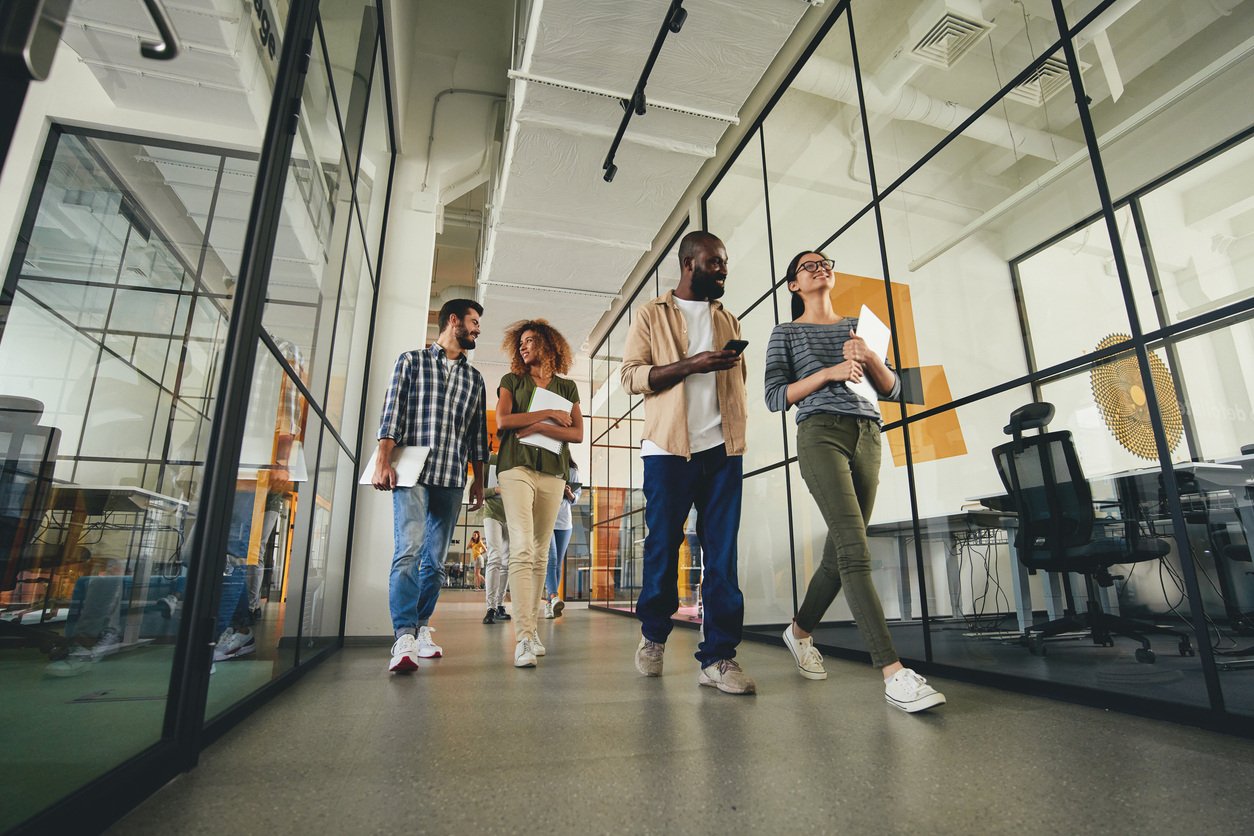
(765,549)
(267,543)
(349,27)
(376,160)
(736,212)
(352,320)
(317,212)
(816,161)
(920,85)
(324,578)
(950,238)
(109,356)
(1212,368)
(1195,228)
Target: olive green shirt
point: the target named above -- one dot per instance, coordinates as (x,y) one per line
(516,454)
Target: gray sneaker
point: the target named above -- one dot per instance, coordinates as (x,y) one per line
(649,657)
(727,676)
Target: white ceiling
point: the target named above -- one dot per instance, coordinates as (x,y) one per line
(561,241)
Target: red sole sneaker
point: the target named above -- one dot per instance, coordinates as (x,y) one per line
(403,665)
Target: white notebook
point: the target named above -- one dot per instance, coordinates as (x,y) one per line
(408,462)
(544,399)
(875,334)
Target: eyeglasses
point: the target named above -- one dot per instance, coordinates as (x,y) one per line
(813,266)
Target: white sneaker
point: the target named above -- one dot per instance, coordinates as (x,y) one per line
(233,644)
(404,654)
(910,692)
(427,649)
(558,605)
(805,654)
(536,645)
(548,609)
(524,654)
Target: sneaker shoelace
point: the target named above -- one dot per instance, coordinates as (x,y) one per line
(811,656)
(653,649)
(913,682)
(728,664)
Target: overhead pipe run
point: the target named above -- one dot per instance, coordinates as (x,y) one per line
(674,21)
(833,80)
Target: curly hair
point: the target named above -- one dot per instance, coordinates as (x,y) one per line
(555,354)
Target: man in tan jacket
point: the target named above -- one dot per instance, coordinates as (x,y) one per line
(678,357)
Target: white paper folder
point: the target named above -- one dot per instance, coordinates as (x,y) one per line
(544,399)
(875,334)
(408,462)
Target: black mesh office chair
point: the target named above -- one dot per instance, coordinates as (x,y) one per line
(29,453)
(1059,533)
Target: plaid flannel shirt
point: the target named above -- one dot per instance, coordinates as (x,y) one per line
(446,410)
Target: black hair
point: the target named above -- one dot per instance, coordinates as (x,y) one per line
(458,308)
(798,304)
(693,241)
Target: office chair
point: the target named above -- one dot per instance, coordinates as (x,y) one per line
(29,456)
(1058,532)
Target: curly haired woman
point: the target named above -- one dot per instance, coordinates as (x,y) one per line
(532,479)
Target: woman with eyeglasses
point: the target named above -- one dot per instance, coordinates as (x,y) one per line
(808,363)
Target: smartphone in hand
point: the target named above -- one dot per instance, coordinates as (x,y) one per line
(737,346)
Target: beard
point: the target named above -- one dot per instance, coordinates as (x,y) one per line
(464,339)
(705,284)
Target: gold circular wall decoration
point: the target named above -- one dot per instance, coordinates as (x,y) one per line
(1120,396)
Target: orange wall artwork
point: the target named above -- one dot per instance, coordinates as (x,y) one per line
(938,437)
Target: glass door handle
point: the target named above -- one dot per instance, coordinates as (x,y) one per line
(166,48)
(30,31)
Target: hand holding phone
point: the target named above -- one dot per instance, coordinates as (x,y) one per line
(737,346)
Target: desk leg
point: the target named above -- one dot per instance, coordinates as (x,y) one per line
(903,583)
(953,575)
(1055,597)
(1019,579)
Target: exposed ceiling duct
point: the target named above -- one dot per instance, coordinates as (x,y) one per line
(561,241)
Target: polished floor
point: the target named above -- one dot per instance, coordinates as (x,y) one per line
(582,744)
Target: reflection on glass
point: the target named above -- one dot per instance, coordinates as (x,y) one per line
(266,550)
(736,213)
(108,368)
(1194,226)
(376,158)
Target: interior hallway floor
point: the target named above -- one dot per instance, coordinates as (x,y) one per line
(583,744)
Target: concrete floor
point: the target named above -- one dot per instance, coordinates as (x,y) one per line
(583,744)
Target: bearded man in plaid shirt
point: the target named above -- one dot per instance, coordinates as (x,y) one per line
(436,400)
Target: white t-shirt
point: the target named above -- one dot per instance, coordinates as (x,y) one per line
(705,422)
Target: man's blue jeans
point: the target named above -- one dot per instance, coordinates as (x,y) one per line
(423,518)
(711,480)
(557,552)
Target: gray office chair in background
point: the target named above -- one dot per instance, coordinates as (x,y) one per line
(1058,532)
(29,453)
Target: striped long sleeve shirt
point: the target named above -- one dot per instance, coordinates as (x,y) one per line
(798,350)
(441,405)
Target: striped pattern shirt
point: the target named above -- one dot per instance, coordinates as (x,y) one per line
(441,405)
(798,350)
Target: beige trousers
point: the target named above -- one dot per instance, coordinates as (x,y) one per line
(531,500)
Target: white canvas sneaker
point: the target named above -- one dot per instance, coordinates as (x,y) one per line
(536,645)
(805,654)
(428,649)
(548,609)
(524,654)
(404,654)
(910,692)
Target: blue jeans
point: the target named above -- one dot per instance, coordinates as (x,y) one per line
(711,480)
(423,518)
(557,552)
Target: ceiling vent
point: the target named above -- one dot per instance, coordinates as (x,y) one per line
(1044,84)
(948,37)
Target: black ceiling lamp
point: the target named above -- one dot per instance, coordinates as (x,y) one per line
(635,106)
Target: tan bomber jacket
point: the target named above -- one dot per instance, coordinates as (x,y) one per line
(659,337)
